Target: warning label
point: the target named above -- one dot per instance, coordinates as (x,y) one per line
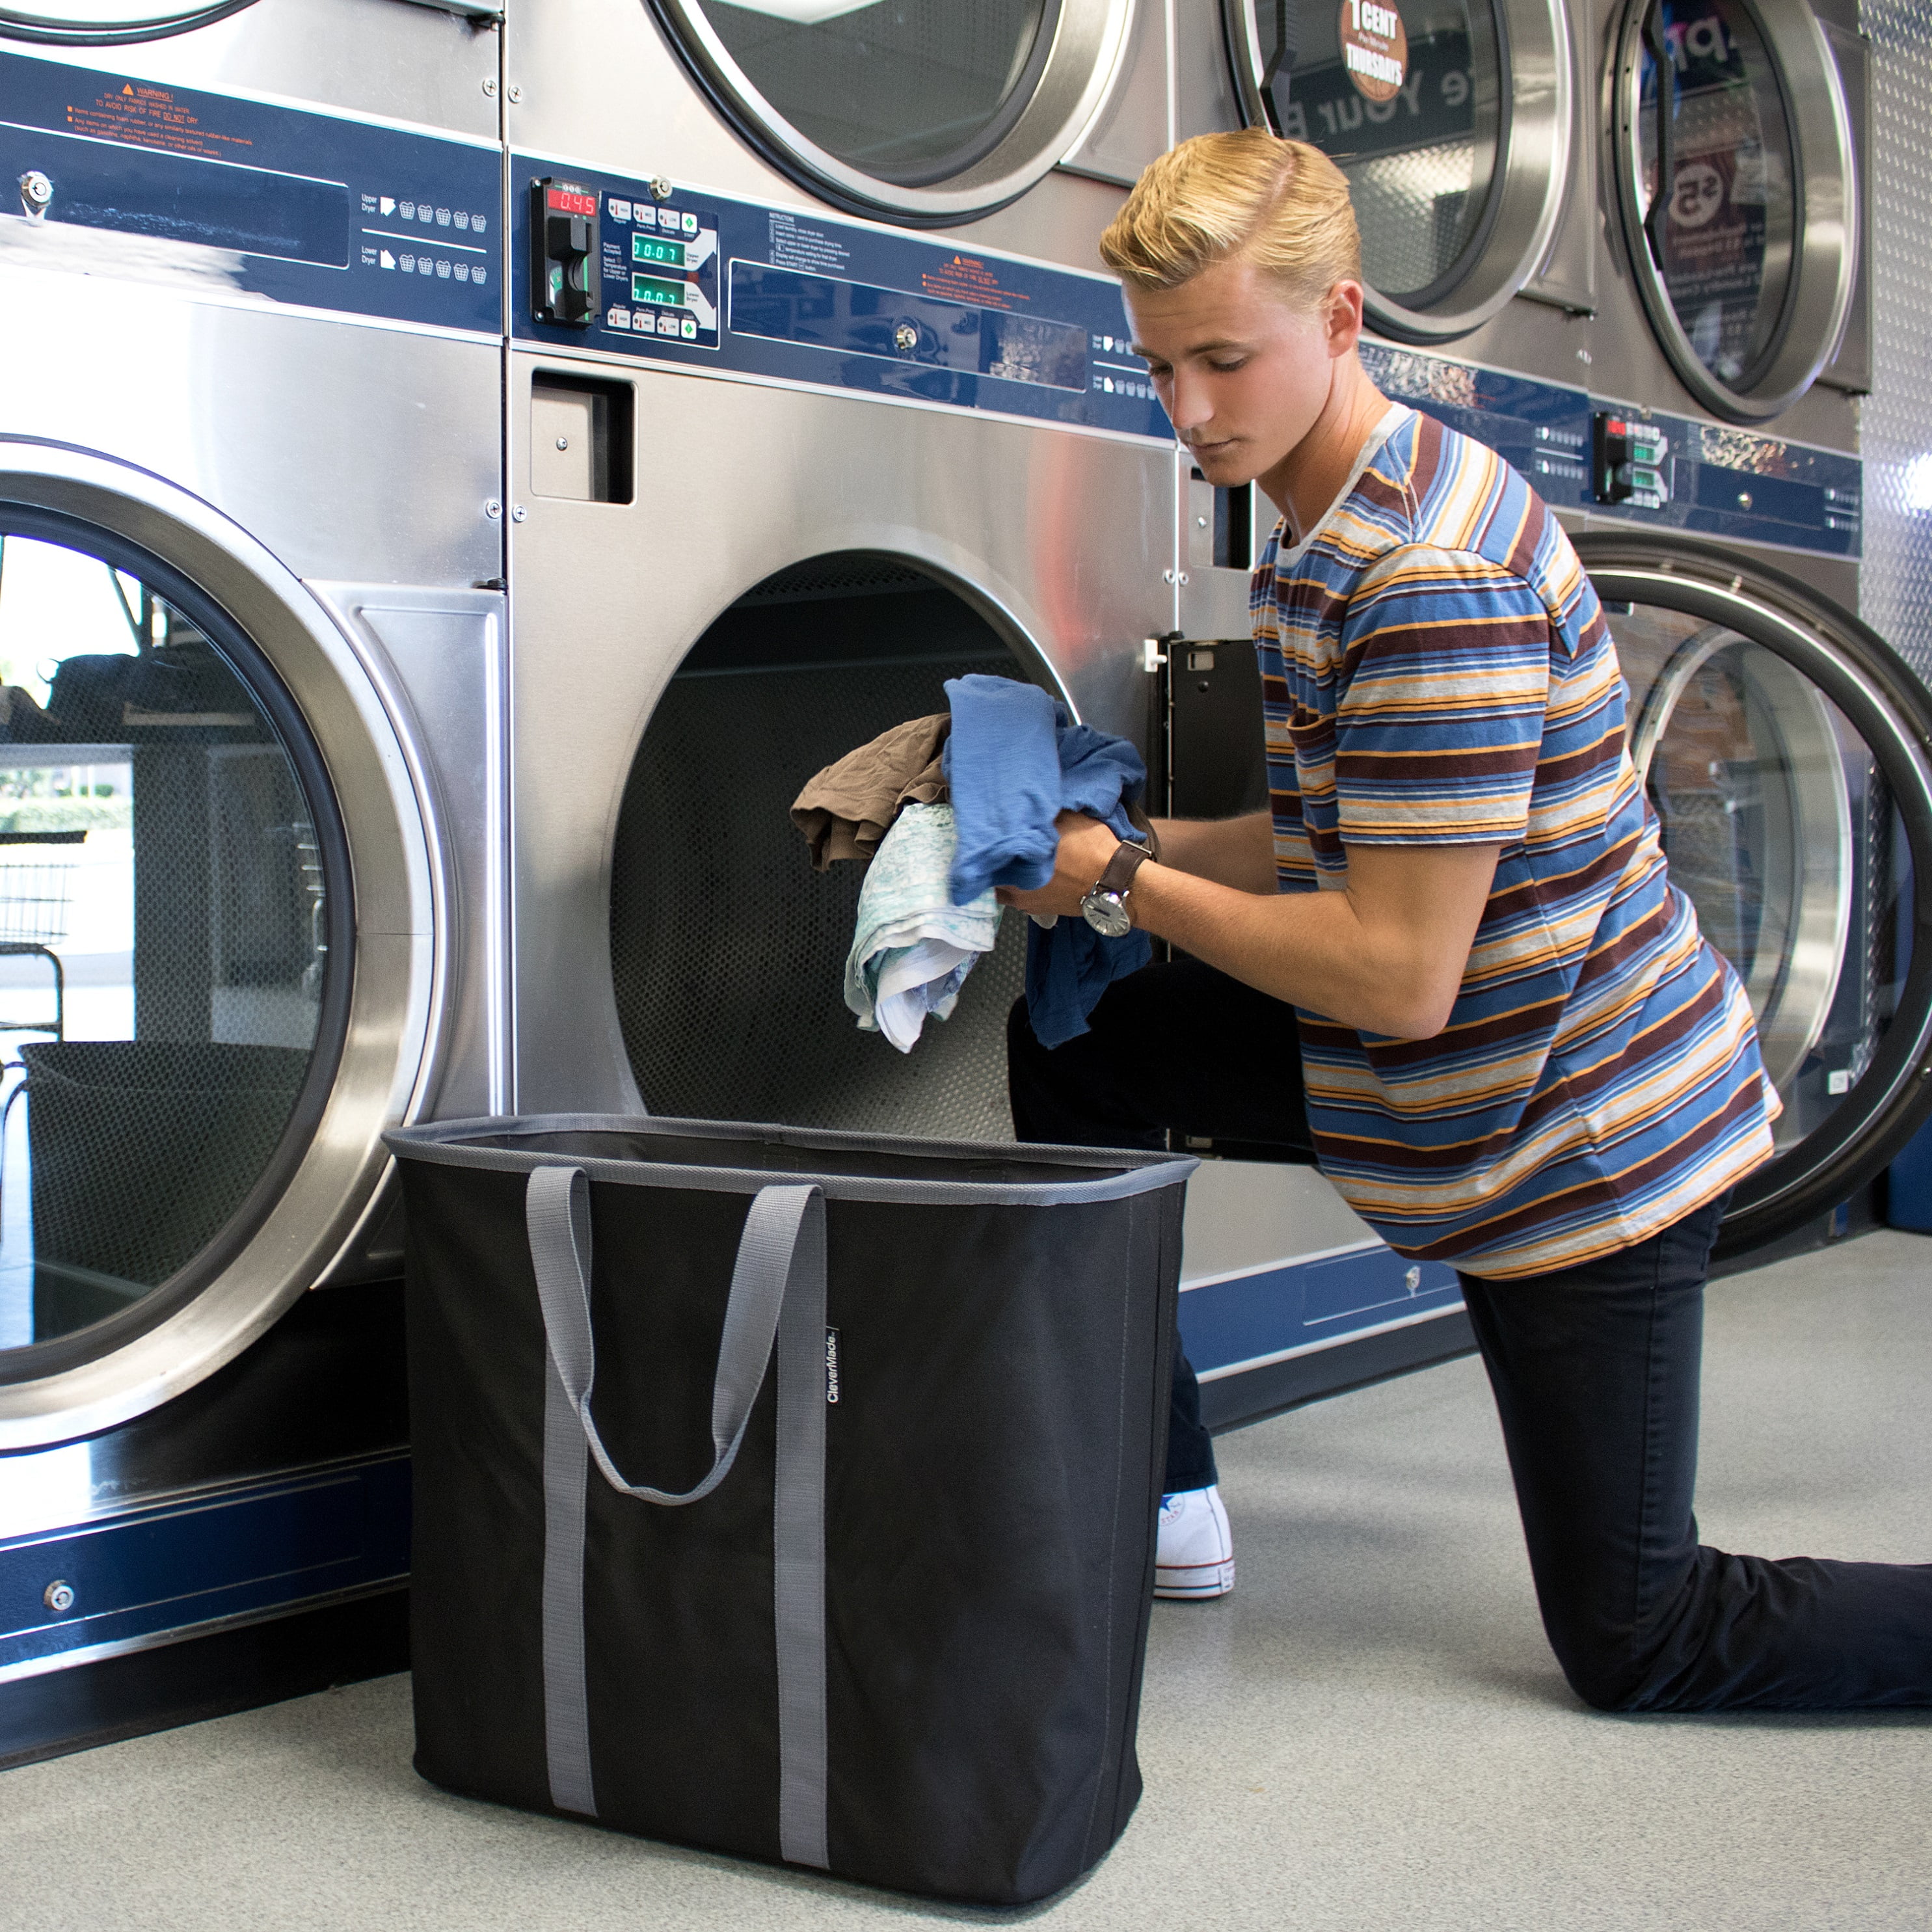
(151,117)
(967,279)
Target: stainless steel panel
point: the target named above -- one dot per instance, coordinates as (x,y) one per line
(1132,126)
(596,81)
(384,1061)
(1058,539)
(1206,99)
(377,57)
(441,657)
(1243,1217)
(351,452)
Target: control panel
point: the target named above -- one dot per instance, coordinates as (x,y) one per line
(715,285)
(276,203)
(1627,457)
(661,272)
(1649,468)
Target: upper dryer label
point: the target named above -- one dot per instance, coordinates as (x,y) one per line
(718,285)
(266,201)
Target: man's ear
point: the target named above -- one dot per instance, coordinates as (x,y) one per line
(1342,311)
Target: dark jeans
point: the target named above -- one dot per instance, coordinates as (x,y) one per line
(1176,1044)
(1595,1373)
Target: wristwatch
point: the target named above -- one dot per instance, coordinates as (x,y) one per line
(1105,907)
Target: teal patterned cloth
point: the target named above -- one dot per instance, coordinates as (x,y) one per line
(912,947)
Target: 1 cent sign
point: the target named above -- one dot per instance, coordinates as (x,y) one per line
(1374,48)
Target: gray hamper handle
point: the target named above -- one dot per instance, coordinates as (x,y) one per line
(784,1238)
(777,1295)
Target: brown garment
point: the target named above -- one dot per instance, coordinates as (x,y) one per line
(850,806)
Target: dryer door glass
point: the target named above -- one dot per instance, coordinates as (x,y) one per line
(1409,100)
(1714,126)
(164,948)
(911,94)
(1791,800)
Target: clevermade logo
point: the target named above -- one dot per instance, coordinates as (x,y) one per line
(832,1365)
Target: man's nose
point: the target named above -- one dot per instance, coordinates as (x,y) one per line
(1189,405)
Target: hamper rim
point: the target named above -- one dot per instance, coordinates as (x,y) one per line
(443,1143)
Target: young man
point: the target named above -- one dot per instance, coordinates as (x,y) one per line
(1449,961)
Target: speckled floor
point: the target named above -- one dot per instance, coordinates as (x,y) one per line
(1369,1734)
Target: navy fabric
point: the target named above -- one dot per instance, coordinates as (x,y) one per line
(1014,762)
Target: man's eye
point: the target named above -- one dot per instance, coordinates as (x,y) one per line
(1228,368)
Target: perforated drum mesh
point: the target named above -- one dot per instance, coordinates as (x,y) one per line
(728,950)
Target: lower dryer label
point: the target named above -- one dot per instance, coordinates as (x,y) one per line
(730,286)
(264,200)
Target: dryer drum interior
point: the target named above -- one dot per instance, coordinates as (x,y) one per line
(1779,742)
(1736,179)
(174,941)
(728,951)
(931,113)
(1451,119)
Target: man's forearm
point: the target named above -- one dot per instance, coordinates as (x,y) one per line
(1306,948)
(1234,852)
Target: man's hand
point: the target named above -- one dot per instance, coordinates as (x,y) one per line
(1085,847)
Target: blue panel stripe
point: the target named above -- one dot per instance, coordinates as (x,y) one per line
(1300,1303)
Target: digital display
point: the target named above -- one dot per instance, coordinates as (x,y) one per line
(567,201)
(653,288)
(649,248)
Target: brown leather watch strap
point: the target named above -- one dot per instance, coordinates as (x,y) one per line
(1118,878)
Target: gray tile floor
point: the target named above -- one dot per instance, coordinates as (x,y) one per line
(1369,1734)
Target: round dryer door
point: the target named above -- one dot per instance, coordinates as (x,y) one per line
(195,1055)
(1781,744)
(930,114)
(1735,176)
(1450,118)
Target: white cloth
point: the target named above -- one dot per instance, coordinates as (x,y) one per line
(912,947)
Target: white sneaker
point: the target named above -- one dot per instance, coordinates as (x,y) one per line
(1194,1552)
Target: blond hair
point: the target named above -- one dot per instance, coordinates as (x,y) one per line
(1282,205)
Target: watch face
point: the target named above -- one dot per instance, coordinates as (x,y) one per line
(1106,914)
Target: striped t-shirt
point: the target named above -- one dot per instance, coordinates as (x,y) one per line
(1436,670)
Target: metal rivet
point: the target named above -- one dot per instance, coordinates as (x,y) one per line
(660,189)
(1174,577)
(492,508)
(36,192)
(490,86)
(58,1596)
(518,514)
(516,92)
(1743,499)
(563,442)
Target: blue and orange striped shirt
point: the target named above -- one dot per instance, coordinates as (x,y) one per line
(1436,670)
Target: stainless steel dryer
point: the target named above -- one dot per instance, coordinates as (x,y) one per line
(855,462)
(252,839)
(1012,124)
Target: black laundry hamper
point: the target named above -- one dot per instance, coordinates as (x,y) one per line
(881,1611)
